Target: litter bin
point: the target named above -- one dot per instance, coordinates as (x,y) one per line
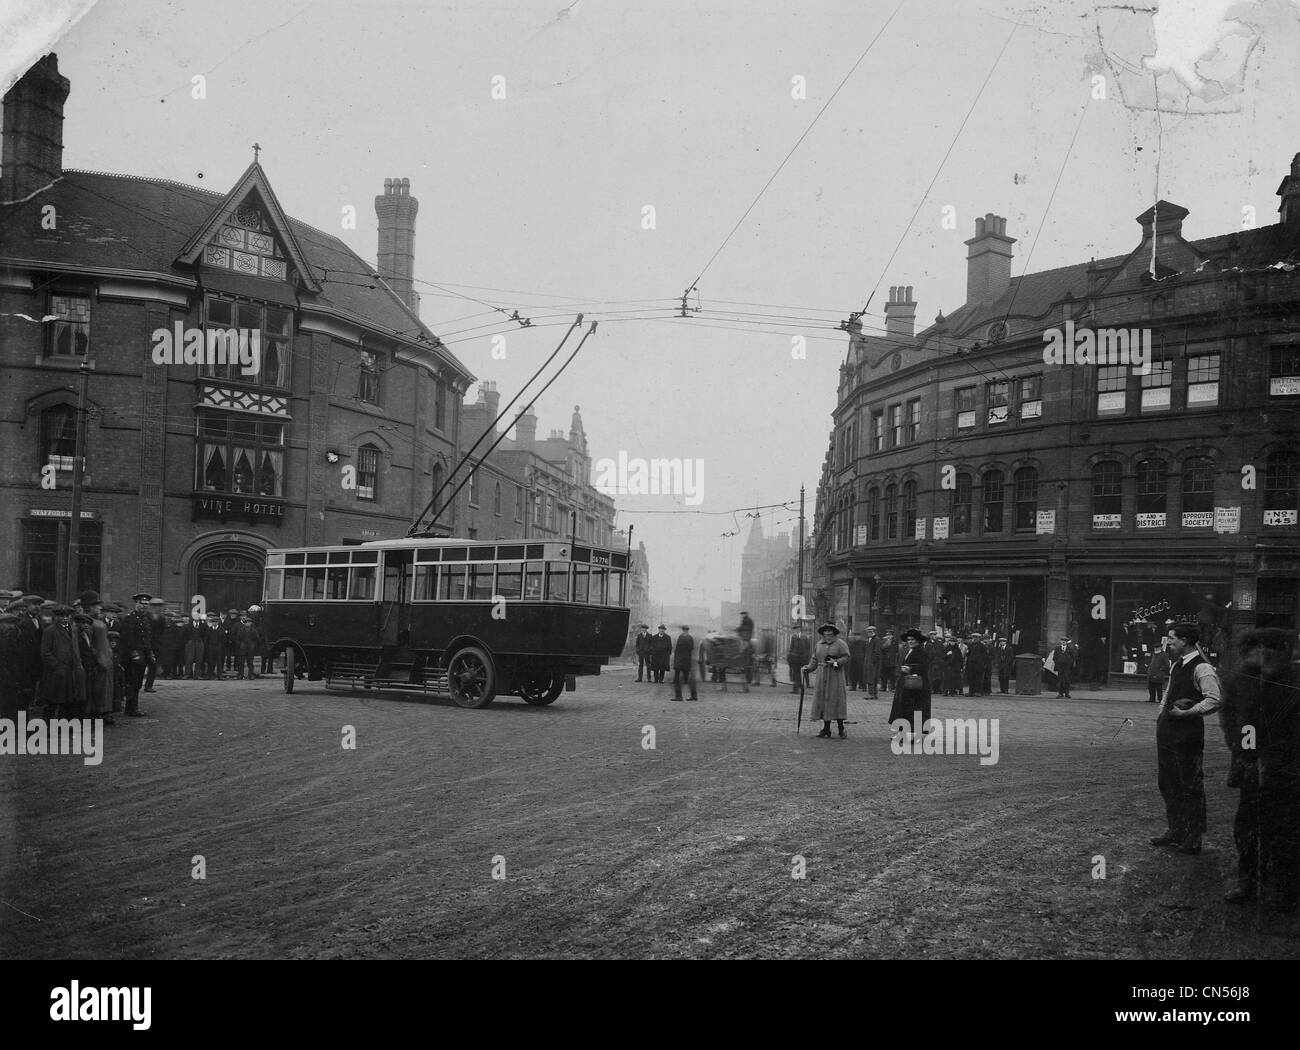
(1029,674)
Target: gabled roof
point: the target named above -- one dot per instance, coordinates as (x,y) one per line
(253,179)
(130,225)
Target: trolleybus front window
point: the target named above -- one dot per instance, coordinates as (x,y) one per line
(557,581)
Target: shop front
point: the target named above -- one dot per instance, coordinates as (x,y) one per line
(1142,611)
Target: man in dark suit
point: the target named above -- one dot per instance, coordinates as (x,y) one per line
(977,665)
(642,651)
(796,656)
(29,651)
(136,630)
(158,631)
(661,651)
(1004,659)
(888,661)
(871,662)
(62,676)
(683,664)
(1063,666)
(934,650)
(857,660)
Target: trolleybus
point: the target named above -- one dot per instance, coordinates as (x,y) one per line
(472,619)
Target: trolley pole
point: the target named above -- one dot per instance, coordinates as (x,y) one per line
(79,452)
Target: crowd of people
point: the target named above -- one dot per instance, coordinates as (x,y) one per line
(94,658)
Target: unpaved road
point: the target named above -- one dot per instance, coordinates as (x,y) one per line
(610,849)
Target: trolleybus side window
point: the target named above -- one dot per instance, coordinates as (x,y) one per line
(509,580)
(599,582)
(481,580)
(314,588)
(580,583)
(336,583)
(533,581)
(273,579)
(426,583)
(617,587)
(292,584)
(363,583)
(557,581)
(451,583)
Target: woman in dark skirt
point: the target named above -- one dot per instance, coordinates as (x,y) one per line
(912,693)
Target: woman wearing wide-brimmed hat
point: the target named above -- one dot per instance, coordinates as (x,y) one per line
(912,692)
(829,658)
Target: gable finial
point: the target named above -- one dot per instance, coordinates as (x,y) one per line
(256,151)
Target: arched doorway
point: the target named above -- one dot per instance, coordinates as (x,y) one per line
(229,576)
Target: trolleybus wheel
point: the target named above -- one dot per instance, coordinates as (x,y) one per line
(472,678)
(541,689)
(290,658)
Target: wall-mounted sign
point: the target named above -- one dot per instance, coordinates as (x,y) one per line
(1227,519)
(920,528)
(1045,522)
(1151,521)
(1245,599)
(241,508)
(1105,521)
(43,512)
(1198,519)
(1279,517)
(940,528)
(860,535)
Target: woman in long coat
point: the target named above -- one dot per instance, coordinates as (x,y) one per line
(910,700)
(829,659)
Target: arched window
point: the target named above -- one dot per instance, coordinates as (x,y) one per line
(961,502)
(367,472)
(1026,484)
(873,512)
(438,476)
(1198,486)
(994,493)
(1152,491)
(58,436)
(1107,493)
(496,500)
(909,509)
(1281,494)
(891,511)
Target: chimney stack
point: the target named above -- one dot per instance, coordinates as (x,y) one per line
(1288,208)
(396,209)
(1162,219)
(32,153)
(526,430)
(900,313)
(988,260)
(489,394)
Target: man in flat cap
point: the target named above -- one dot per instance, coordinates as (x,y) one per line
(158,639)
(62,678)
(1260,718)
(136,631)
(28,669)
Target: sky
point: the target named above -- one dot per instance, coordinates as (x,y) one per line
(536,201)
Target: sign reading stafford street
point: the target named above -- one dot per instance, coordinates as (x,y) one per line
(243,508)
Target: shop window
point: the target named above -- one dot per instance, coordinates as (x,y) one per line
(1284,371)
(367,472)
(240,454)
(69,334)
(1152,485)
(1156,387)
(961,505)
(1281,496)
(998,401)
(368,382)
(1198,492)
(994,492)
(1107,494)
(1112,382)
(964,403)
(58,437)
(914,420)
(1203,381)
(45,555)
(1275,602)
(1030,396)
(1025,481)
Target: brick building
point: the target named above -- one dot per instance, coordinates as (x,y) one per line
(336,430)
(970,484)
